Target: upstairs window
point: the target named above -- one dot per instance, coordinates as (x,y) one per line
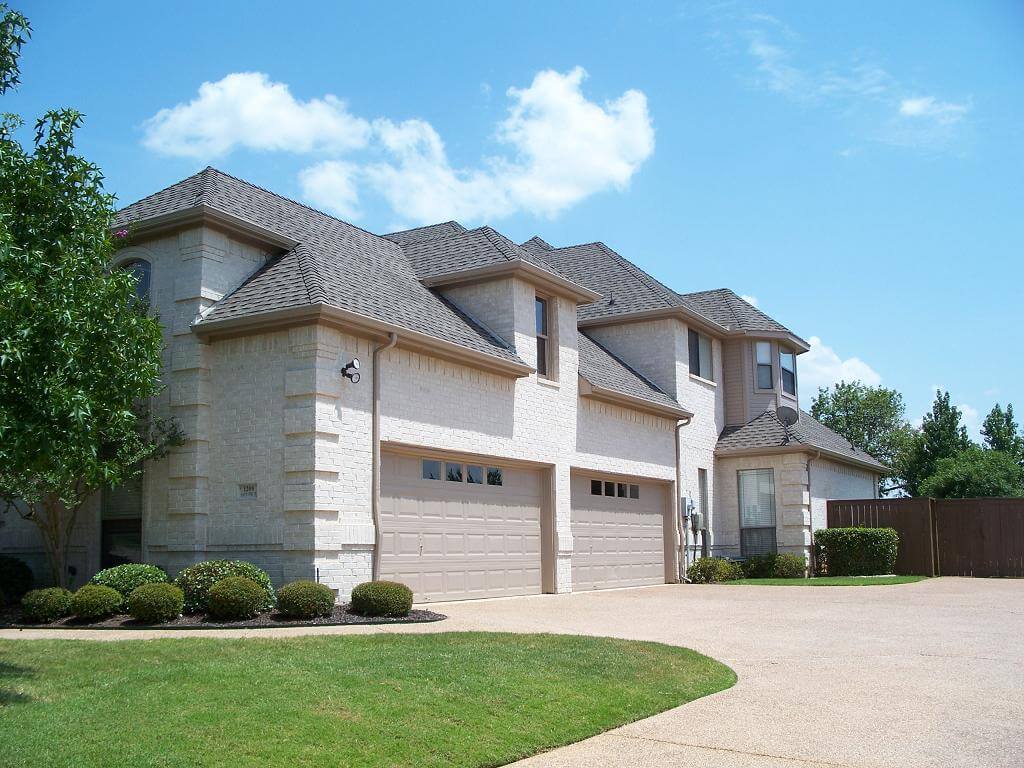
(765,371)
(787,362)
(700,356)
(140,270)
(541,311)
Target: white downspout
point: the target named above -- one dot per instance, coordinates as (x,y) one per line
(684,535)
(375,470)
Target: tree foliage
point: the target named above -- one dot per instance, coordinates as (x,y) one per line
(871,418)
(1001,432)
(942,436)
(975,472)
(79,357)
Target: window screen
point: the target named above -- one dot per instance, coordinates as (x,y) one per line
(757,511)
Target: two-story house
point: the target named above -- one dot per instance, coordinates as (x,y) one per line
(450,409)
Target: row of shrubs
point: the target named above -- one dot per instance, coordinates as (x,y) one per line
(228,590)
(712,570)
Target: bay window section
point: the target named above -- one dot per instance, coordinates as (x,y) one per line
(765,369)
(757,512)
(701,362)
(787,362)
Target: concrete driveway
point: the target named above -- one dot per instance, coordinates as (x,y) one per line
(926,674)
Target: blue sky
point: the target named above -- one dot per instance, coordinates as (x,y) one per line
(857,169)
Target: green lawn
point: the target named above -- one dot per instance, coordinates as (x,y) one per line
(455,699)
(832,581)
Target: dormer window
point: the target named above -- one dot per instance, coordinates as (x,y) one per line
(543,352)
(701,361)
(787,362)
(765,370)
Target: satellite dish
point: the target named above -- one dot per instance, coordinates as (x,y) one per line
(788,416)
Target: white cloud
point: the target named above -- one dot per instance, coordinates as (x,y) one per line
(971,420)
(247,109)
(944,112)
(332,184)
(823,367)
(752,300)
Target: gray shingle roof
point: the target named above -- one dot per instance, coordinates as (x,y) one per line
(766,431)
(729,310)
(603,369)
(335,263)
(444,229)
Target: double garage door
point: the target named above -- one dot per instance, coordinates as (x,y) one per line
(458,529)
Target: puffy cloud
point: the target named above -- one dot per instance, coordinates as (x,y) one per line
(823,367)
(752,300)
(332,185)
(247,109)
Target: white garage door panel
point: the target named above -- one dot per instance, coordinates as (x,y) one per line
(456,541)
(617,542)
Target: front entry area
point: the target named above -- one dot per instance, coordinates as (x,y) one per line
(461,529)
(621,532)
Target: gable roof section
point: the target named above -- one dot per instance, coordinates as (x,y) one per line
(729,310)
(430,232)
(610,376)
(333,264)
(766,433)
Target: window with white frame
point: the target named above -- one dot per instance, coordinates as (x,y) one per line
(765,369)
(701,361)
(614,489)
(757,511)
(787,362)
(543,351)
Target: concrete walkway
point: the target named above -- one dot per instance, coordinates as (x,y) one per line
(926,674)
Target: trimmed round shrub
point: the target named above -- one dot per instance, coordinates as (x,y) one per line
(382,598)
(42,606)
(856,551)
(789,566)
(759,566)
(196,580)
(156,603)
(711,570)
(126,578)
(305,600)
(15,577)
(234,598)
(95,603)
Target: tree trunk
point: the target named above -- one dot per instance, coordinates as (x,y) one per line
(56,521)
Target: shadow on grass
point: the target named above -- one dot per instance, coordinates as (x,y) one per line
(8,674)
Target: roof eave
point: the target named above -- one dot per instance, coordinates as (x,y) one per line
(801,345)
(774,450)
(688,316)
(554,283)
(348,320)
(205,214)
(589,389)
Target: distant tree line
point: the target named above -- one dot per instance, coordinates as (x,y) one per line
(937,458)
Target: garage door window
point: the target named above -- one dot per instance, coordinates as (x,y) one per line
(757,511)
(614,489)
(453,472)
(475,475)
(494,476)
(430,469)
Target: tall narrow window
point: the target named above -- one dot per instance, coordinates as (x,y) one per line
(140,270)
(700,356)
(757,511)
(541,307)
(702,490)
(787,362)
(765,374)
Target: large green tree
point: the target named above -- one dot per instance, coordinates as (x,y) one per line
(975,472)
(871,418)
(942,436)
(1001,432)
(79,356)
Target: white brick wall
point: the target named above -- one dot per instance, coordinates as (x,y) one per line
(832,480)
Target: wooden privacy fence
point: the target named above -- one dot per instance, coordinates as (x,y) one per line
(944,537)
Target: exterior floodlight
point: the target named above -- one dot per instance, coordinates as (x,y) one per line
(351,371)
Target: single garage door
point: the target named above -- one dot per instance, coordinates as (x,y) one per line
(456,530)
(619,532)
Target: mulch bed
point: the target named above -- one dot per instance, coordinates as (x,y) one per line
(10,619)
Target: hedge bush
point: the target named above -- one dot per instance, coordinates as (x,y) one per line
(196,580)
(15,577)
(711,570)
(856,551)
(759,566)
(234,598)
(42,606)
(305,600)
(789,566)
(126,578)
(95,603)
(382,598)
(156,602)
